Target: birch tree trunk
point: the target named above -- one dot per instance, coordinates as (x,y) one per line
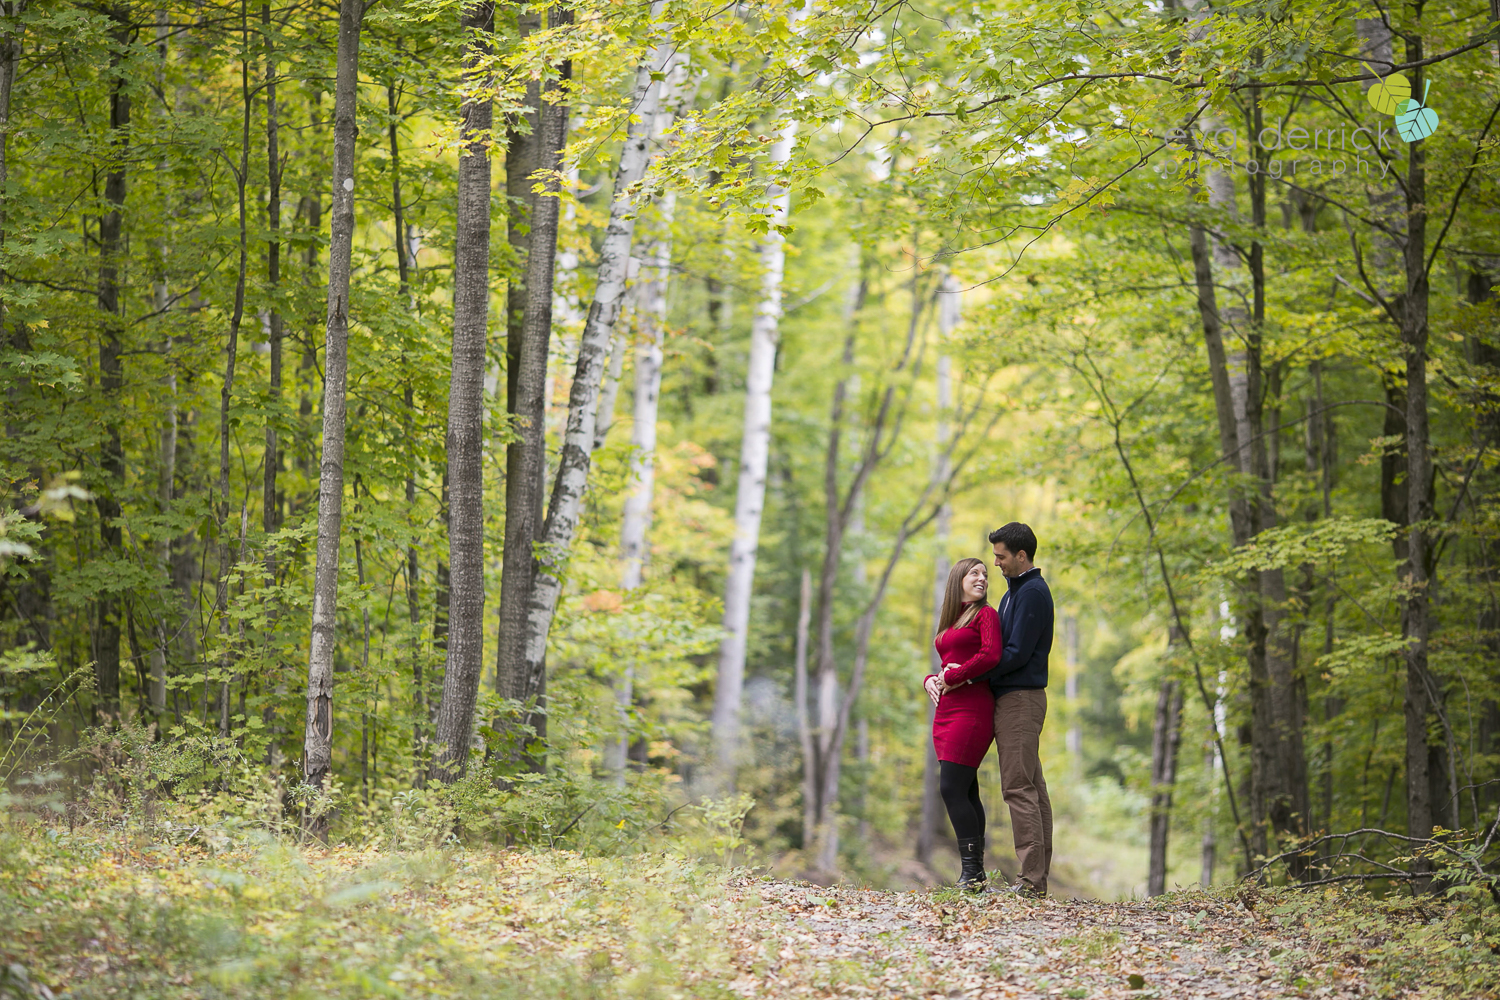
(750,495)
(578,439)
(649,355)
(471,295)
(317,749)
(106,650)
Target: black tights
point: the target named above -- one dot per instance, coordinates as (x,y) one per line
(960,789)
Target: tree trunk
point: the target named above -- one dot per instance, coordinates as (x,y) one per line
(271,464)
(471,293)
(270,497)
(804,729)
(1288,800)
(529,332)
(648,364)
(405,262)
(573,466)
(1277,770)
(837,511)
(1166,737)
(111,370)
(950,305)
(11,33)
(1419,568)
(226,392)
(634,546)
(750,495)
(881,433)
(317,752)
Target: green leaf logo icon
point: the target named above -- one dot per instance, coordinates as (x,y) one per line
(1414,120)
(1389,94)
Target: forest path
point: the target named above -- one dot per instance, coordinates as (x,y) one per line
(805,940)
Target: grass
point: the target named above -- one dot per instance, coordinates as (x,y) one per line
(163,921)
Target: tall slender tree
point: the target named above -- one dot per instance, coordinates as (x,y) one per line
(755,450)
(649,357)
(471,295)
(317,749)
(111,350)
(566,503)
(271,464)
(950,306)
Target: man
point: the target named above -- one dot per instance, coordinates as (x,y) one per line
(1020,687)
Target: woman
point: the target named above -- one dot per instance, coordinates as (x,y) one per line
(963,722)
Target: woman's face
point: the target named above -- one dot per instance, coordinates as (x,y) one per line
(976,583)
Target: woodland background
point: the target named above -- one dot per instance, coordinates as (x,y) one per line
(527,424)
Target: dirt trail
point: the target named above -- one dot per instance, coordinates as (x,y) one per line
(805,940)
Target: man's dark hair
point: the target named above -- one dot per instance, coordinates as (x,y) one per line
(1017,537)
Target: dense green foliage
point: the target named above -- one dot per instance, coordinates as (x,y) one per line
(1083,176)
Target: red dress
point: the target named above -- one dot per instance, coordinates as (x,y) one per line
(963,726)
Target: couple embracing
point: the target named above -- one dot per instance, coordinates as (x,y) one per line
(992,688)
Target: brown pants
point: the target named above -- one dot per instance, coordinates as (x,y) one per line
(1018,731)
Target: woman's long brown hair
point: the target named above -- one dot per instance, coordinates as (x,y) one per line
(953,595)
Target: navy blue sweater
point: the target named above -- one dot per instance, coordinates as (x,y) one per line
(1026,630)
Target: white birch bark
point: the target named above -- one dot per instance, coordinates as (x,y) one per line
(750,495)
(578,439)
(636,524)
(604,412)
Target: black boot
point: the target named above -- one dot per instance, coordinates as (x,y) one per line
(971,878)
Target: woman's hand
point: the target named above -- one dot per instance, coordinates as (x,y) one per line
(934,687)
(946,686)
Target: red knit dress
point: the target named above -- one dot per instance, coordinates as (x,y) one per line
(963,726)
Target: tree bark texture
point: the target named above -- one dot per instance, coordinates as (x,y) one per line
(636,522)
(804,727)
(471,294)
(317,751)
(1166,737)
(1278,797)
(525,403)
(1421,689)
(228,649)
(270,497)
(11,34)
(527,347)
(566,502)
(750,495)
(111,369)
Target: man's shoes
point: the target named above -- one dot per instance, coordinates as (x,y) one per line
(1023,890)
(971,876)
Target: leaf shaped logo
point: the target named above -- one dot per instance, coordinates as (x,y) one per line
(1415,120)
(1389,94)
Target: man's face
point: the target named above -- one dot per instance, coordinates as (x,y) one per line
(1011,564)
